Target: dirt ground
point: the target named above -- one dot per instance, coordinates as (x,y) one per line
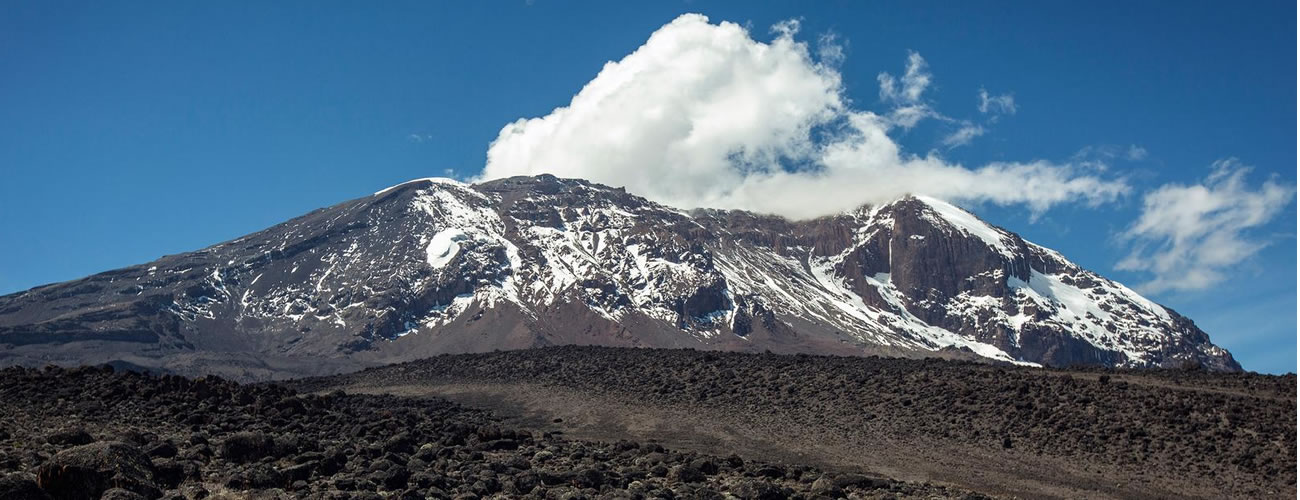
(100,433)
(1027,433)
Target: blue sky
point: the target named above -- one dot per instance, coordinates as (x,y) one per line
(133,131)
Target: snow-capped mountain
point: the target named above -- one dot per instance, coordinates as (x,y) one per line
(434,265)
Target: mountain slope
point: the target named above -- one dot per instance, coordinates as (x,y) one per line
(433,266)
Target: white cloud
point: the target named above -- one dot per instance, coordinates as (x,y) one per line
(703,115)
(963,135)
(787,28)
(999,104)
(830,49)
(904,93)
(1191,236)
(908,89)
(1100,157)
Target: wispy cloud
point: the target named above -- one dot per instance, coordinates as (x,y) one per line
(1004,104)
(830,49)
(906,97)
(904,93)
(968,132)
(704,115)
(1101,157)
(1190,237)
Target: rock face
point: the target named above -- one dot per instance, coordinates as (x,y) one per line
(436,266)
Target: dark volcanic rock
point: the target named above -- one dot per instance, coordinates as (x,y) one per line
(1233,431)
(74,436)
(171,473)
(121,494)
(21,486)
(162,450)
(256,477)
(340,446)
(247,447)
(87,471)
(757,490)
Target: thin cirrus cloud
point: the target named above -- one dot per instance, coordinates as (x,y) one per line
(1004,104)
(989,105)
(963,135)
(704,115)
(1191,237)
(905,92)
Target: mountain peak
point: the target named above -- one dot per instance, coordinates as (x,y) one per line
(946,214)
(436,265)
(421,182)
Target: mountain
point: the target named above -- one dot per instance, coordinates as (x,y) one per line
(436,266)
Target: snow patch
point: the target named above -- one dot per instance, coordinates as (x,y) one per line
(435,180)
(444,246)
(969,224)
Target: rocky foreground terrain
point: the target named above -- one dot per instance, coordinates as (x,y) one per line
(92,433)
(999,430)
(586,422)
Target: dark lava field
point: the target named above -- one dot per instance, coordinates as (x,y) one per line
(90,433)
(585,422)
(998,430)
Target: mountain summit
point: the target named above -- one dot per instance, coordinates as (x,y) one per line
(437,266)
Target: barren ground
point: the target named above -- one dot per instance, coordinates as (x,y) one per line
(1001,431)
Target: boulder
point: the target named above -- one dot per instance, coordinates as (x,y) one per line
(75,437)
(757,490)
(85,472)
(21,486)
(244,447)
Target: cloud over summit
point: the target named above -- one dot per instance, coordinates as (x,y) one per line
(704,115)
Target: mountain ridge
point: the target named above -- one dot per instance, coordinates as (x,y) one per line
(434,265)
